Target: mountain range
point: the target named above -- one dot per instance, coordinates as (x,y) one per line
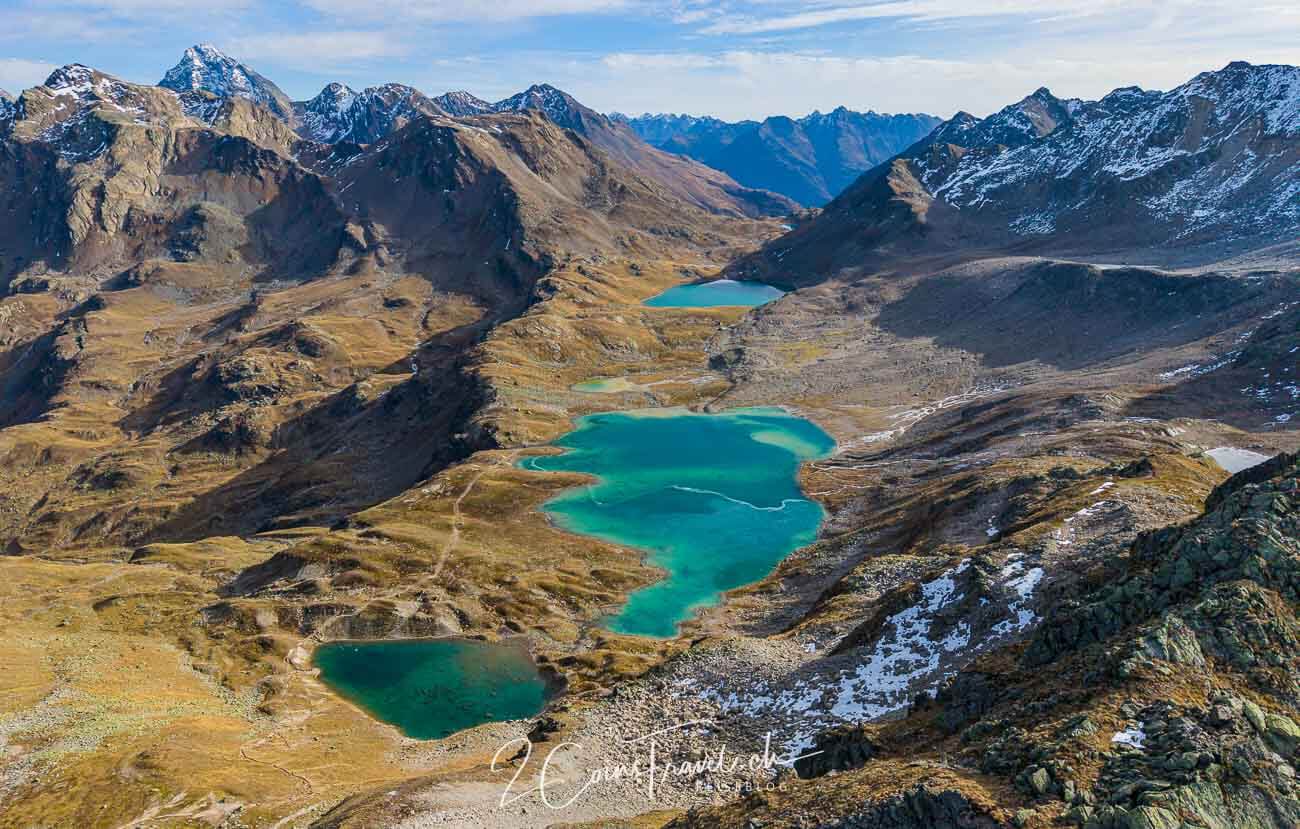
(1206,168)
(339,113)
(809,159)
(274,374)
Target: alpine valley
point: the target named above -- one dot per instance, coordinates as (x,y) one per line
(388,459)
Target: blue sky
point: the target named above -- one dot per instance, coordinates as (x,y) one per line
(731,58)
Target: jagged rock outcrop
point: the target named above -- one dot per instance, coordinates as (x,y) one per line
(1214,600)
(1248,539)
(1163,694)
(839,749)
(339,113)
(929,805)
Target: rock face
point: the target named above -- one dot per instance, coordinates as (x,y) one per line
(341,114)
(559,106)
(810,159)
(1163,693)
(1214,599)
(839,749)
(124,171)
(205,68)
(922,808)
(928,805)
(1250,539)
(206,79)
(461,104)
(1210,166)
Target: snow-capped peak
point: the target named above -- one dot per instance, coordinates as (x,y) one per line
(336,97)
(340,113)
(557,105)
(74,76)
(206,68)
(87,85)
(461,104)
(1215,158)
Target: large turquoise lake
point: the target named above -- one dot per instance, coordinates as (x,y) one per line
(717,294)
(712,498)
(432,688)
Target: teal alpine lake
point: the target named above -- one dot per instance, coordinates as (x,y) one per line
(716,294)
(432,688)
(712,498)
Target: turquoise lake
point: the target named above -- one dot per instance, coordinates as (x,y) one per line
(716,294)
(432,688)
(713,499)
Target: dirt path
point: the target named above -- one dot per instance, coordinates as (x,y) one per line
(454,538)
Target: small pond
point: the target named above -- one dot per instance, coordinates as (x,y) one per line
(432,688)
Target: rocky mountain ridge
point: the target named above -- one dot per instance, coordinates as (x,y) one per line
(206,76)
(1210,166)
(462,103)
(677,133)
(339,113)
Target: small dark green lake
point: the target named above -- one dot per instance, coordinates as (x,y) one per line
(717,294)
(712,498)
(432,688)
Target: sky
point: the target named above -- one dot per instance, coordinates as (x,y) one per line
(728,58)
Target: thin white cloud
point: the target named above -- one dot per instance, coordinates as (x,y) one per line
(1161,13)
(17,74)
(747,84)
(470,11)
(141,8)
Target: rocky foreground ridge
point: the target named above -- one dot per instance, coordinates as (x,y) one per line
(1162,694)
